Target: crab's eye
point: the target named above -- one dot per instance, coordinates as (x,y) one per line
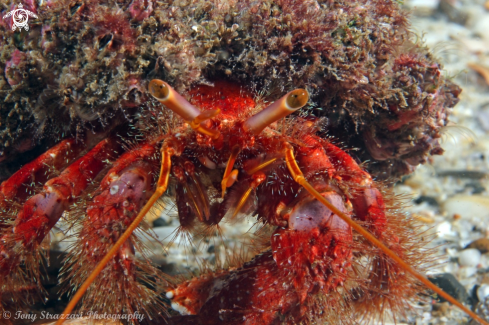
(159,89)
(286,105)
(297,98)
(171,99)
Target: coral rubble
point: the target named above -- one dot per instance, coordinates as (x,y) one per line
(84,63)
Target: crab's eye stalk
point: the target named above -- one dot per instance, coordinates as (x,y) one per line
(281,108)
(171,99)
(159,89)
(297,98)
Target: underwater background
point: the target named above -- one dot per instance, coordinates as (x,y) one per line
(415,108)
(450,192)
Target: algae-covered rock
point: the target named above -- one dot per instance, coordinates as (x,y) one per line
(84,65)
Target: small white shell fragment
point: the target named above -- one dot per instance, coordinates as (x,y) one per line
(467,273)
(426,316)
(483,292)
(469,257)
(445,229)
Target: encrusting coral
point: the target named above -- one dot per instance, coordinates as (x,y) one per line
(84,64)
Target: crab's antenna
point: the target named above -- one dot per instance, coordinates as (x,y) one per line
(300,179)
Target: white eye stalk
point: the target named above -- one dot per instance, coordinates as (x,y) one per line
(286,105)
(180,106)
(171,99)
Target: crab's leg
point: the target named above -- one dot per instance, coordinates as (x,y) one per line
(276,284)
(299,178)
(15,190)
(368,203)
(366,199)
(170,147)
(21,242)
(198,188)
(309,256)
(230,175)
(185,201)
(16,187)
(370,208)
(43,210)
(258,178)
(122,193)
(191,199)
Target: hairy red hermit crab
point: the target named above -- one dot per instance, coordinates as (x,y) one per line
(337,248)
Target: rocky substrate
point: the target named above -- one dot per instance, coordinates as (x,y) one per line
(450,195)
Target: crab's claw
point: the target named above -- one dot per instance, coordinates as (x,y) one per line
(315,248)
(311,255)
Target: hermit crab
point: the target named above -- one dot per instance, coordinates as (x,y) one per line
(334,245)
